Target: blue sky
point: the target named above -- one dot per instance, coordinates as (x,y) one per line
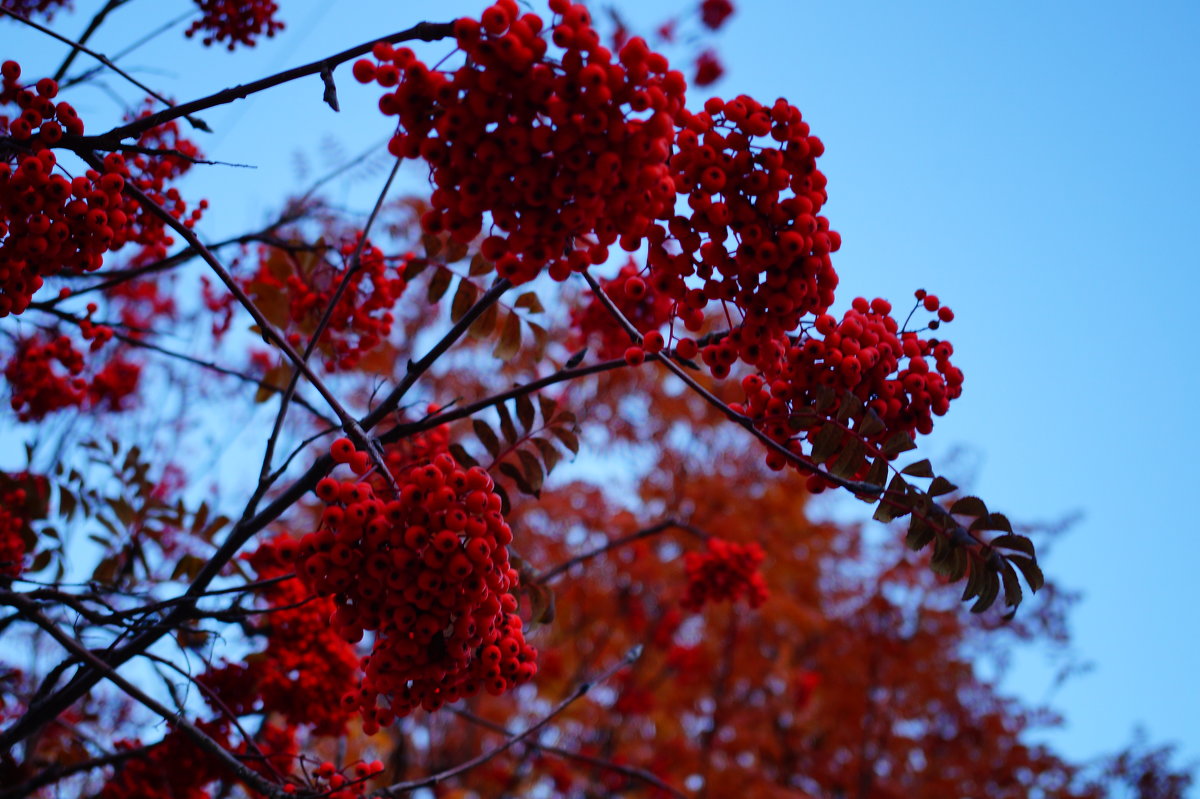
(1034,164)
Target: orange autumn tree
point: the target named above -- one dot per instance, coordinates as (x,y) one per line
(537,446)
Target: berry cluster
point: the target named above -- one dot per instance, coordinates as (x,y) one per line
(709,68)
(362,317)
(865,355)
(754,237)
(49,224)
(427,571)
(45,374)
(28,8)
(235,21)
(646,308)
(306,666)
(567,155)
(174,769)
(713,13)
(21,494)
(167,155)
(726,571)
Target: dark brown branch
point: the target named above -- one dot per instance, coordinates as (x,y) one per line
(644,533)
(425,31)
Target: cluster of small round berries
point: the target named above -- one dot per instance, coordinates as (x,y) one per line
(45,374)
(725,571)
(709,69)
(754,237)
(173,155)
(713,13)
(16,498)
(306,666)
(866,355)
(334,783)
(427,571)
(175,768)
(49,224)
(646,308)
(362,318)
(235,21)
(28,8)
(568,156)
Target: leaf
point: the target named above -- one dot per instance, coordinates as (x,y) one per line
(849,407)
(438,284)
(870,424)
(1031,571)
(510,339)
(486,436)
(414,268)
(920,533)
(826,442)
(849,459)
(276,377)
(432,244)
(897,443)
(550,455)
(878,473)
(464,298)
(988,594)
(969,506)
(40,561)
(455,251)
(525,412)
(918,469)
(460,455)
(506,424)
(895,502)
(825,399)
(568,438)
(994,521)
(106,570)
(529,300)
(484,326)
(940,486)
(533,469)
(479,266)
(213,528)
(547,406)
(1012,541)
(189,565)
(1012,586)
(541,339)
(510,470)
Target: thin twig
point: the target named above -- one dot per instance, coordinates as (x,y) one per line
(580,691)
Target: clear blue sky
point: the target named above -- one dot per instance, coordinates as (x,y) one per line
(1033,163)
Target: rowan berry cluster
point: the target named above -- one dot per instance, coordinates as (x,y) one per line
(19,493)
(754,237)
(709,69)
(306,666)
(646,308)
(175,768)
(865,354)
(167,155)
(713,13)
(49,224)
(725,571)
(362,317)
(568,156)
(428,572)
(235,22)
(46,374)
(28,8)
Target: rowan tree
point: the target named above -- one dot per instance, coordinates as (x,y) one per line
(530,514)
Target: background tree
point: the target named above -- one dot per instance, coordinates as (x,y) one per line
(398,600)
